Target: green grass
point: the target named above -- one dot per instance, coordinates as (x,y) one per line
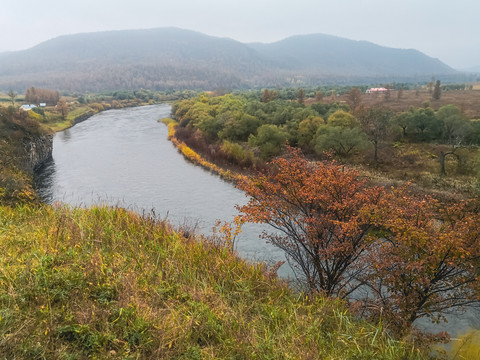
(108,284)
(56,123)
(59,125)
(79,111)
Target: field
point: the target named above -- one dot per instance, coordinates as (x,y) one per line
(467,100)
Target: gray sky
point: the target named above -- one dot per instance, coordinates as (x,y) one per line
(448,30)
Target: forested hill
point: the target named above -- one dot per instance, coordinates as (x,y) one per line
(326,54)
(167,58)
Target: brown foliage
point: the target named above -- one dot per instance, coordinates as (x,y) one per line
(62,108)
(354,99)
(320,212)
(36,95)
(399,255)
(426,259)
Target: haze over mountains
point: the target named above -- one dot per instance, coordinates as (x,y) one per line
(171,58)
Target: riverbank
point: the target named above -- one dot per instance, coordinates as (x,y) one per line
(82,112)
(196,158)
(107,283)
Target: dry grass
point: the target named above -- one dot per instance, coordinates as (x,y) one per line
(466,100)
(108,284)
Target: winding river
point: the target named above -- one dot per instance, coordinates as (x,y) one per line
(123,158)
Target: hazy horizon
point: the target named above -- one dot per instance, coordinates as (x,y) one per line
(437,28)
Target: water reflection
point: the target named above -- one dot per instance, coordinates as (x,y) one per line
(44,180)
(65,135)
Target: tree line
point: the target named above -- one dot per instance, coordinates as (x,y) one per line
(38,95)
(261,124)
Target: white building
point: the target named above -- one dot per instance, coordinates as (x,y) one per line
(28,107)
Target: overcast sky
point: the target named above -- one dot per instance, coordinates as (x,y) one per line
(444,29)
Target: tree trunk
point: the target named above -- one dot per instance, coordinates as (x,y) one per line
(443,156)
(442,163)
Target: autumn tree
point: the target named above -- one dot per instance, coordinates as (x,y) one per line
(430,86)
(37,95)
(427,262)
(354,99)
(266,96)
(62,108)
(319,212)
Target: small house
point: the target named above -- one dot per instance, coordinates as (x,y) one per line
(381,90)
(28,107)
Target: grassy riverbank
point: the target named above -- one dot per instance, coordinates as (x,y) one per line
(196,158)
(78,112)
(106,283)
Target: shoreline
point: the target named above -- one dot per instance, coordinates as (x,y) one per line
(192,156)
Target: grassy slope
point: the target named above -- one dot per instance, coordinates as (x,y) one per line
(108,284)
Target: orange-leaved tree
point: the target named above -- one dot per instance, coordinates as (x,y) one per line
(427,261)
(321,214)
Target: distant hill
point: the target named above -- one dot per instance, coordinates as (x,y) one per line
(171,58)
(326,54)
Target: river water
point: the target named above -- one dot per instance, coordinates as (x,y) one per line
(123,158)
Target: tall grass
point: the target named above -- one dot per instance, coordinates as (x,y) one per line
(106,283)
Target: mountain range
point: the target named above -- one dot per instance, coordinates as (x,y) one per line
(172,58)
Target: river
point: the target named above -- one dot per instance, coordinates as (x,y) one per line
(123,158)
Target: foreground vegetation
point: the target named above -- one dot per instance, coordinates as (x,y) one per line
(394,255)
(106,283)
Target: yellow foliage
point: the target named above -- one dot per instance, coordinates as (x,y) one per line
(171,130)
(196,158)
(467,346)
(33,115)
(97,107)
